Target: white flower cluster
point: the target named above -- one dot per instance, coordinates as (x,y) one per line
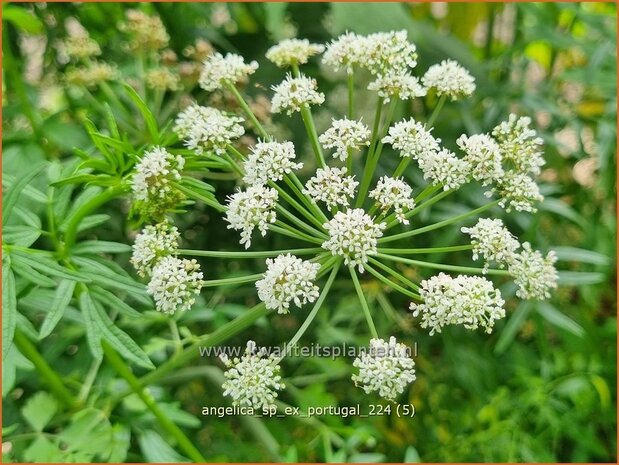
(153,243)
(534,274)
(252,380)
(294,93)
(412,139)
(344,52)
(219,71)
(387,368)
(205,128)
(519,144)
(249,209)
(518,191)
(471,301)
(332,186)
(354,236)
(293,52)
(153,174)
(483,154)
(174,284)
(288,279)
(383,52)
(397,84)
(450,79)
(446,169)
(345,136)
(394,193)
(269,161)
(492,241)
(81,47)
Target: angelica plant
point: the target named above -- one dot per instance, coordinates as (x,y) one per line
(354,222)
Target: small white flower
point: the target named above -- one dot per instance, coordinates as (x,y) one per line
(449,78)
(153,243)
(384,52)
(269,161)
(346,51)
(397,84)
(483,154)
(443,167)
(386,368)
(471,301)
(81,47)
(519,144)
(252,380)
(394,193)
(332,186)
(288,279)
(174,284)
(219,71)
(534,274)
(153,174)
(293,52)
(345,136)
(249,209)
(205,128)
(354,236)
(492,241)
(412,139)
(294,93)
(162,79)
(518,191)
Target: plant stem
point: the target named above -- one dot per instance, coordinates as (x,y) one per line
(295,184)
(308,121)
(429,250)
(261,254)
(394,273)
(438,225)
(233,164)
(409,214)
(437,110)
(404,162)
(307,214)
(315,309)
(56,385)
(236,280)
(299,223)
(391,284)
(351,94)
(196,196)
(364,304)
(287,230)
(441,266)
(250,114)
(168,425)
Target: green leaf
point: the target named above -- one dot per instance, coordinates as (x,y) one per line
(30,274)
(29,191)
(558,207)
(42,450)
(558,319)
(9,308)
(23,236)
(575,254)
(149,118)
(93,332)
(512,327)
(46,265)
(22,19)
(89,434)
(93,221)
(39,410)
(62,298)
(77,179)
(112,302)
(10,199)
(156,450)
(579,278)
(197,184)
(96,247)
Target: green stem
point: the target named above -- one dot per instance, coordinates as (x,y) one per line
(437,110)
(409,214)
(308,121)
(391,284)
(247,110)
(315,309)
(307,214)
(261,254)
(394,273)
(196,196)
(351,94)
(301,224)
(404,162)
(168,425)
(364,304)
(442,266)
(438,225)
(235,166)
(295,184)
(430,250)
(236,280)
(287,230)
(55,384)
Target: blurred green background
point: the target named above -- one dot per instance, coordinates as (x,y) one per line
(541,388)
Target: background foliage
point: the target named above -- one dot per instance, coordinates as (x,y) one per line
(542,387)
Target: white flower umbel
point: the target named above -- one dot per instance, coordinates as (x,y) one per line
(394,193)
(385,52)
(412,139)
(397,84)
(152,178)
(354,236)
(81,47)
(445,168)
(252,380)
(294,93)
(386,368)
(207,129)
(470,301)
(288,279)
(345,136)
(293,52)
(517,191)
(153,243)
(347,51)
(450,79)
(520,144)
(269,161)
(332,186)
(534,274)
(174,284)
(249,209)
(483,154)
(219,71)
(492,241)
